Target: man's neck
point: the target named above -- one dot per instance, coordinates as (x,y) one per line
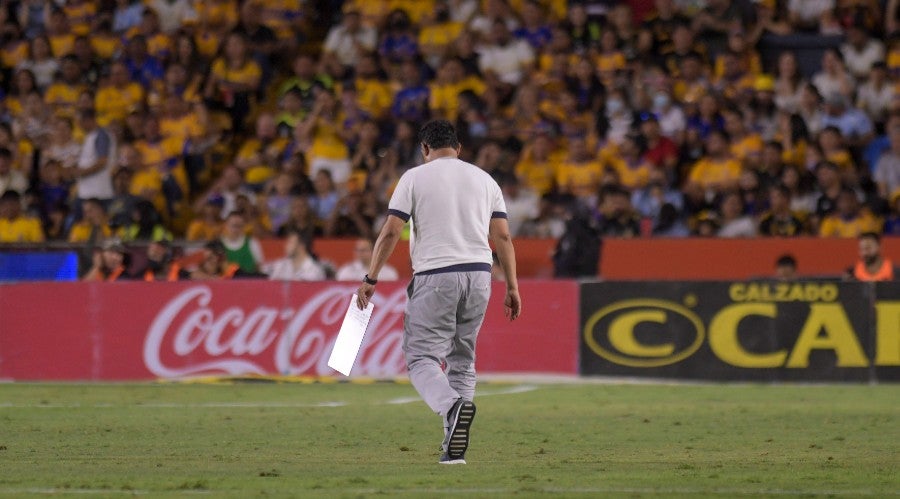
(442,153)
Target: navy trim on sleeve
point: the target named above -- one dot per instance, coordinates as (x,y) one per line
(399,214)
(498,214)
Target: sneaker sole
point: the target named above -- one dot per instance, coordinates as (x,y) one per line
(453,461)
(459,435)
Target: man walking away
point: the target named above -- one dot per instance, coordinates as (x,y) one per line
(455,209)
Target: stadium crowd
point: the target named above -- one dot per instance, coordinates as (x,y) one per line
(227,120)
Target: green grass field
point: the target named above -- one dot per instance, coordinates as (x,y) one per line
(352,440)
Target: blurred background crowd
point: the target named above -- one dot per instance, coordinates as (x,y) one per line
(227,120)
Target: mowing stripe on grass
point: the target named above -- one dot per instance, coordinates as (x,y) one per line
(492,490)
(623,490)
(251,405)
(94,492)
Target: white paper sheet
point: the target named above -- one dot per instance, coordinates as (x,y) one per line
(350,337)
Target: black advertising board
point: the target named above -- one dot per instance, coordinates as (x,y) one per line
(762,331)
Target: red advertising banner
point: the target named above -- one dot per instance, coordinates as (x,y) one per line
(139,331)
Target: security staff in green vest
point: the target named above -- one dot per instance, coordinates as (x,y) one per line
(240,248)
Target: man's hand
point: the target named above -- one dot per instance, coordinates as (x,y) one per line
(512,304)
(364,294)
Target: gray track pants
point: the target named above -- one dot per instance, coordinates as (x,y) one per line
(441,324)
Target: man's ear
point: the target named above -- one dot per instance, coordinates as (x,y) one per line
(425,150)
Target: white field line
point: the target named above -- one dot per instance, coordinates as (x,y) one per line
(478,394)
(251,405)
(94,492)
(726,492)
(176,405)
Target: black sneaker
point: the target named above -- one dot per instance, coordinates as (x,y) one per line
(460,420)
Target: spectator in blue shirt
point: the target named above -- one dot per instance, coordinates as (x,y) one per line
(854,124)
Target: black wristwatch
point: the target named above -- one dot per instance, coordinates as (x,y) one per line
(368,280)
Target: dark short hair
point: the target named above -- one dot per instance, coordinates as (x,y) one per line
(87,114)
(11,195)
(216,247)
(96,202)
(438,134)
(786,260)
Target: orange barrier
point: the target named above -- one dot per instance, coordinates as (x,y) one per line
(693,259)
(653,259)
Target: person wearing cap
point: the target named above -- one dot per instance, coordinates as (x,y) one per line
(161,265)
(110,263)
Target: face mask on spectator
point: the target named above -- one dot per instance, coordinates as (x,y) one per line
(660,101)
(614,106)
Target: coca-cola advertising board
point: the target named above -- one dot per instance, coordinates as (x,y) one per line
(141,331)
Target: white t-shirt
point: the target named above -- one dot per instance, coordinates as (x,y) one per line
(860,61)
(345,45)
(508,61)
(284,270)
(451,204)
(355,270)
(809,10)
(97,144)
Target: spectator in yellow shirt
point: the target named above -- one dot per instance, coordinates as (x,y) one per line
(373,93)
(14,226)
(164,157)
(208,225)
(611,59)
(538,165)
(323,129)
(450,81)
(234,80)
(632,168)
(580,174)
(122,96)
(717,170)
(59,32)
(94,224)
(82,15)
(849,219)
(746,146)
(260,155)
(438,33)
(63,93)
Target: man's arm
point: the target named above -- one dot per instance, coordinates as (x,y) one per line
(500,236)
(384,247)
